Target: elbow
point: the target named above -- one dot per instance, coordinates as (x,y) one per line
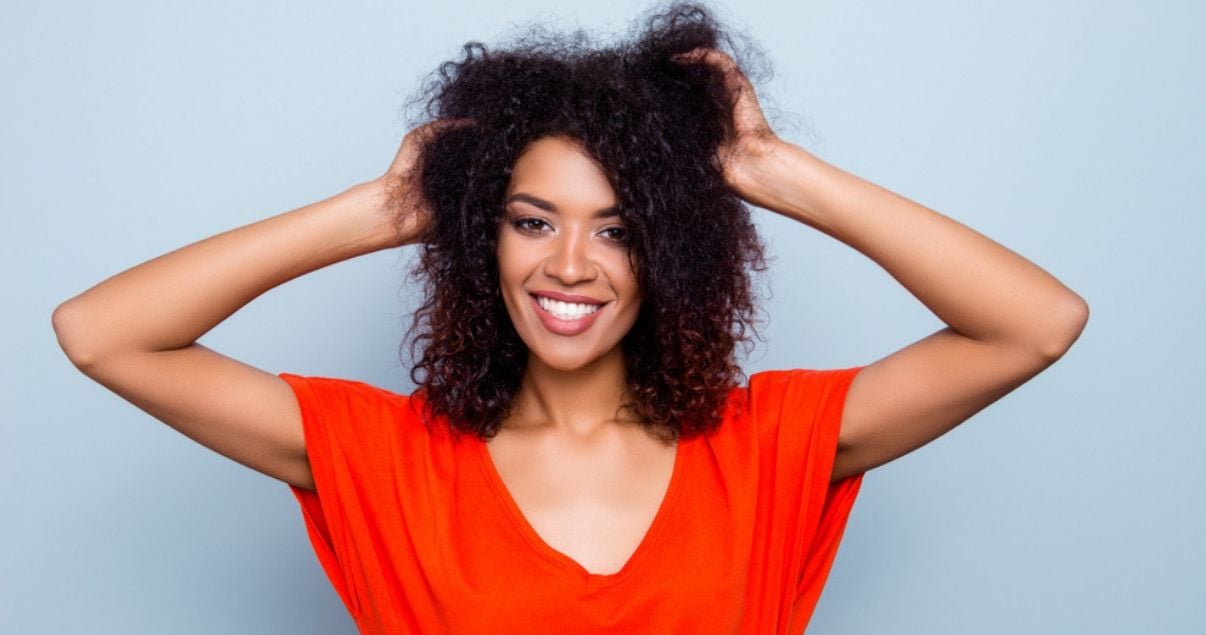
(1072,318)
(62,320)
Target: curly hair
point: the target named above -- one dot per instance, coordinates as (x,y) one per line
(653,124)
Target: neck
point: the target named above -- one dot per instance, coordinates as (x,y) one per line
(580,403)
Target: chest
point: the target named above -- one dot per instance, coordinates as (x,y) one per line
(593,502)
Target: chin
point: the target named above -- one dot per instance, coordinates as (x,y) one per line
(568,356)
(564,363)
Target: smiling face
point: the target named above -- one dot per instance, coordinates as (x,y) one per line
(563,260)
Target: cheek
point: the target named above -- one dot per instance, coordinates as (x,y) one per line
(623,277)
(515,266)
(507,257)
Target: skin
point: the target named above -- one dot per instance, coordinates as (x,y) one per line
(136,332)
(573,384)
(569,456)
(1007,319)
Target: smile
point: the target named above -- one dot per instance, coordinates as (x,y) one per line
(566,310)
(565,318)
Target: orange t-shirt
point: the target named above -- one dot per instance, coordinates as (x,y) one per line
(418,533)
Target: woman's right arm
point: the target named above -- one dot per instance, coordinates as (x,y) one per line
(135,333)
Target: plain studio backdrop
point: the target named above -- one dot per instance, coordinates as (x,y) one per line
(1070,132)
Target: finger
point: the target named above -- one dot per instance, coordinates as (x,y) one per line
(710,55)
(456,122)
(690,56)
(733,76)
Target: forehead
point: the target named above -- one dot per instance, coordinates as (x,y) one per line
(558,170)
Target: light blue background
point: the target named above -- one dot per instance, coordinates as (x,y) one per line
(1071,132)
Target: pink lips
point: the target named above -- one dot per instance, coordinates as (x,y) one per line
(563,327)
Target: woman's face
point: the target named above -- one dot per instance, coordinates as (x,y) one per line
(563,257)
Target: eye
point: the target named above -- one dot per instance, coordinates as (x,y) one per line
(618,234)
(528,225)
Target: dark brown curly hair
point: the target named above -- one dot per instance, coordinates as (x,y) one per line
(653,124)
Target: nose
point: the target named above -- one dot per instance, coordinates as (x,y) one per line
(570,259)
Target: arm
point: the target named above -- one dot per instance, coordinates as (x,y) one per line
(1007,319)
(135,333)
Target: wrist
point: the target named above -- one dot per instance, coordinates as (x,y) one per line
(778,178)
(370,202)
(379,200)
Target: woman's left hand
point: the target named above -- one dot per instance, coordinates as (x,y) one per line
(753,140)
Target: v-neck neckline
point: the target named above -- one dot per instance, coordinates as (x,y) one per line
(494,477)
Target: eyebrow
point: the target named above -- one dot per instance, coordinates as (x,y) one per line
(606,212)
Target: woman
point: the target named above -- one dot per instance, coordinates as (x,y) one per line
(579,454)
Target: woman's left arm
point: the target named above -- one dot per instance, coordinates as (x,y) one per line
(1007,319)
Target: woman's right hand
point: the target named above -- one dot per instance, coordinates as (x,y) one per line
(403,212)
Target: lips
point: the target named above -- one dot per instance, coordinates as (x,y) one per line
(559,326)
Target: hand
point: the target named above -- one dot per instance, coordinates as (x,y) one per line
(753,140)
(402,210)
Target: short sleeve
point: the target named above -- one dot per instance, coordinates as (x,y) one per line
(799,414)
(338,421)
(813,403)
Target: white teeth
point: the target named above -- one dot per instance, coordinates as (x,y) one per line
(566,310)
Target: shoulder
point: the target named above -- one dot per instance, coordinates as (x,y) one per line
(337,386)
(785,417)
(769,381)
(335,398)
(771,393)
